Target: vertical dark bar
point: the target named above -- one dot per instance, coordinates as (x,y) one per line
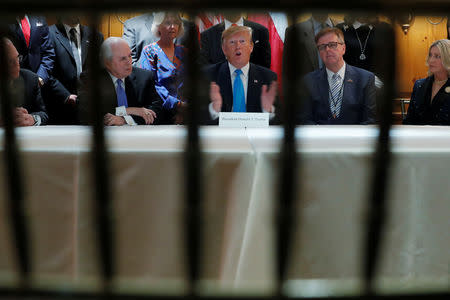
(287,178)
(103,201)
(193,163)
(385,43)
(13,173)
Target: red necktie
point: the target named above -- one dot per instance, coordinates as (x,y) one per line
(26,30)
(234,24)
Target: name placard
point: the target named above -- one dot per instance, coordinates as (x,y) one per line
(243,120)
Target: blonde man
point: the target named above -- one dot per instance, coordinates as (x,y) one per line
(236,84)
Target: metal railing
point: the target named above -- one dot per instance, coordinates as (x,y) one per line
(193,187)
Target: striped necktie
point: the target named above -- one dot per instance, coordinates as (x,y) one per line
(335,95)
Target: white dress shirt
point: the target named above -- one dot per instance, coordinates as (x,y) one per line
(341,74)
(228,24)
(77,36)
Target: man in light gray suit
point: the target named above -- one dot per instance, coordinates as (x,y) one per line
(137,32)
(306,32)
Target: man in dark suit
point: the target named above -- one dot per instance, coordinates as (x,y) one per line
(128,94)
(338,93)
(257,85)
(211,50)
(137,32)
(31,37)
(71,42)
(24,89)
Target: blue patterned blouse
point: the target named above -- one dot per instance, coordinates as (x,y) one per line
(168,74)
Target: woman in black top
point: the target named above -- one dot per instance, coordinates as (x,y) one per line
(430,99)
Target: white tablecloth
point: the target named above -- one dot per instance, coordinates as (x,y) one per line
(240,170)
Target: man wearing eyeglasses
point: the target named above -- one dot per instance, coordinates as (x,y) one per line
(338,93)
(24,90)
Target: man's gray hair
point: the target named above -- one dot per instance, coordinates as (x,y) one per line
(105,49)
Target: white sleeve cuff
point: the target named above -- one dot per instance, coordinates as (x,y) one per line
(129,119)
(214,114)
(121,111)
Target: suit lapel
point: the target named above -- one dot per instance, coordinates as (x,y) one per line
(224,81)
(64,40)
(253,90)
(349,87)
(33,29)
(85,36)
(130,90)
(324,87)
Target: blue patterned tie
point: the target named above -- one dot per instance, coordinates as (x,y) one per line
(238,93)
(121,96)
(335,95)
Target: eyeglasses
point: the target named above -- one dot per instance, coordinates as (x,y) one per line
(331,45)
(17,59)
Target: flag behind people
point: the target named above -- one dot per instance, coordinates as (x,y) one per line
(276,23)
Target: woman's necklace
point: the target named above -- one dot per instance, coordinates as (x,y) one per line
(363,56)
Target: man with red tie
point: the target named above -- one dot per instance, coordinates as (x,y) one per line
(30,35)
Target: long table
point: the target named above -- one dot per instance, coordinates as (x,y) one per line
(240,172)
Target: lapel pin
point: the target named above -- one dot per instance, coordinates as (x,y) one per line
(255,81)
(447,90)
(349,80)
(38,24)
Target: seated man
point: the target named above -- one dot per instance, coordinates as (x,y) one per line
(338,93)
(24,90)
(128,94)
(236,84)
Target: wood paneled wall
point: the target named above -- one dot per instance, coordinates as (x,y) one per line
(412,48)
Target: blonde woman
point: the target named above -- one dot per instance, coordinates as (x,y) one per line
(165,59)
(430,99)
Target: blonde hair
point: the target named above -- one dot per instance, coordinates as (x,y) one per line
(235,29)
(158,19)
(444,49)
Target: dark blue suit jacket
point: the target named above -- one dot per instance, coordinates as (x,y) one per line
(421,112)
(39,56)
(28,94)
(64,80)
(358,100)
(257,77)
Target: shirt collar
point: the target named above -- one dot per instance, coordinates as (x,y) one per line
(358,24)
(244,69)
(228,24)
(114,79)
(67,27)
(341,72)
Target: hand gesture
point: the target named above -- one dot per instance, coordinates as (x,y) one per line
(216,98)
(268,95)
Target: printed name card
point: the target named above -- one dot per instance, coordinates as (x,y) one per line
(243,120)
